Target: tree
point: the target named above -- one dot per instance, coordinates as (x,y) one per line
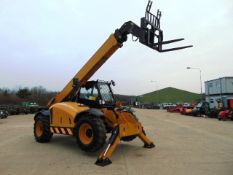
(6,92)
(23,93)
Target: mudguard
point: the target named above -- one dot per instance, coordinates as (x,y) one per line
(66,114)
(45,113)
(95,112)
(91,111)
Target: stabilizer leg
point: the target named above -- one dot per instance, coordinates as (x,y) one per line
(147,142)
(114,140)
(120,131)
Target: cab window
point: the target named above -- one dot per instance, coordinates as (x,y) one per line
(89,94)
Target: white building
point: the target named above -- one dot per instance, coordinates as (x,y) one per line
(219,90)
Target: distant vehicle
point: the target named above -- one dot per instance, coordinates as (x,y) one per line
(225,115)
(3,114)
(168,105)
(228,112)
(30,107)
(150,106)
(187,110)
(177,108)
(186,105)
(202,108)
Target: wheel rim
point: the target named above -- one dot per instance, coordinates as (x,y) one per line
(86,133)
(39,128)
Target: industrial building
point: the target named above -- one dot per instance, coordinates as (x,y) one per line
(219,91)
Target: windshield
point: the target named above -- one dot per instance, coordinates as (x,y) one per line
(106,92)
(90,93)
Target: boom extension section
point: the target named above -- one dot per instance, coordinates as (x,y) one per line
(147,33)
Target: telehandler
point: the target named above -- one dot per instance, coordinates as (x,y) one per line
(87,110)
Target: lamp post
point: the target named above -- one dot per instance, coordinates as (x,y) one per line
(157,93)
(200,76)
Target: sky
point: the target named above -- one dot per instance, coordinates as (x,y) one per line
(45,42)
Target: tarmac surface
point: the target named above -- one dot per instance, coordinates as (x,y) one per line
(184,146)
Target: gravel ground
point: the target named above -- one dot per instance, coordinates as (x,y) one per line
(184,145)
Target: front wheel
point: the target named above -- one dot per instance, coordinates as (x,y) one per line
(90,133)
(42,132)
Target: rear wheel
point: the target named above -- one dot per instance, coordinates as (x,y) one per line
(42,132)
(90,133)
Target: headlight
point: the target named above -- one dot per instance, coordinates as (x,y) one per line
(102,102)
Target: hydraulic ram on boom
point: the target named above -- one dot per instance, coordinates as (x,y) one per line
(87,110)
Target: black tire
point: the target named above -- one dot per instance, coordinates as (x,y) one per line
(96,133)
(7,114)
(45,135)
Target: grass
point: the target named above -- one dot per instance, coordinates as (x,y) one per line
(170,94)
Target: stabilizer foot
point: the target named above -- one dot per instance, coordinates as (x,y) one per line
(103,162)
(149,145)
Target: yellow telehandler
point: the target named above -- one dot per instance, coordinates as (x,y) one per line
(87,110)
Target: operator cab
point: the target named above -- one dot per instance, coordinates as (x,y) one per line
(97,94)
